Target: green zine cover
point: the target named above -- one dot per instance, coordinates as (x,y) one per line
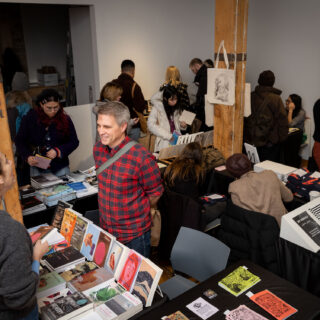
(238,281)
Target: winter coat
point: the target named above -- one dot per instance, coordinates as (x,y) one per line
(268,122)
(158,123)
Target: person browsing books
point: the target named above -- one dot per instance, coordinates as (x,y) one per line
(130,186)
(163,120)
(19,262)
(47,130)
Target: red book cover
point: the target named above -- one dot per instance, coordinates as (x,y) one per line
(102,249)
(272,304)
(130,270)
(40,233)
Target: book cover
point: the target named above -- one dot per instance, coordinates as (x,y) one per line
(147,281)
(68,224)
(77,186)
(243,312)
(45,301)
(59,213)
(91,279)
(130,270)
(78,233)
(63,257)
(42,162)
(60,246)
(90,241)
(102,249)
(40,233)
(273,304)
(31,202)
(119,304)
(238,281)
(114,256)
(49,282)
(78,270)
(104,292)
(67,307)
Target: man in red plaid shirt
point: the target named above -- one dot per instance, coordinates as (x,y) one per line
(129,186)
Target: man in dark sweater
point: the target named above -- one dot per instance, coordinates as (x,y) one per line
(200,70)
(19,262)
(132,96)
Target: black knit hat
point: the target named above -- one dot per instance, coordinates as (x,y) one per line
(238,164)
(266,78)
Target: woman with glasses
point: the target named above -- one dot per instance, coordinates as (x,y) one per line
(48,131)
(296,114)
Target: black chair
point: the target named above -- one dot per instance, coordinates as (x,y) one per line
(251,236)
(92,215)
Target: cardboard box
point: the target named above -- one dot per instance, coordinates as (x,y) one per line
(48,79)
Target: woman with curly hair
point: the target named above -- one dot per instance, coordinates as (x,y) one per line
(47,130)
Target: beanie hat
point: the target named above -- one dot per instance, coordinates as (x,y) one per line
(238,164)
(266,78)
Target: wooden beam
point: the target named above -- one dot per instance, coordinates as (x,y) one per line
(11,198)
(231,19)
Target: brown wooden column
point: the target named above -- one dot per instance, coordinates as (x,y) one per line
(11,199)
(231,19)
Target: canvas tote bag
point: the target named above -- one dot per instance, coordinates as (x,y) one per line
(221,82)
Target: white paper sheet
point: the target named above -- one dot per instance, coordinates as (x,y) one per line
(202,308)
(187,117)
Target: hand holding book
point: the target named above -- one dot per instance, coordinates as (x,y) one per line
(39,249)
(41,161)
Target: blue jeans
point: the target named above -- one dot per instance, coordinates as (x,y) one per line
(141,244)
(134,134)
(33,315)
(34,171)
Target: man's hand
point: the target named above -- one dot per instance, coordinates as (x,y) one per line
(32,161)
(40,249)
(51,154)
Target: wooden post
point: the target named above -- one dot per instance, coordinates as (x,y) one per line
(11,198)
(231,19)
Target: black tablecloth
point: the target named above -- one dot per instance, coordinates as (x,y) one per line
(308,305)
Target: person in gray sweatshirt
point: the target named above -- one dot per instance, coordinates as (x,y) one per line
(19,261)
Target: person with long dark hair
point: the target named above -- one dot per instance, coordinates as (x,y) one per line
(296,114)
(163,120)
(47,130)
(185,174)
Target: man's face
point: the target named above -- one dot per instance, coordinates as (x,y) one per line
(195,68)
(111,134)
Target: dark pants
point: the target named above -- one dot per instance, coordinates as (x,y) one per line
(141,244)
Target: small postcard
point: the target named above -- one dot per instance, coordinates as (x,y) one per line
(202,308)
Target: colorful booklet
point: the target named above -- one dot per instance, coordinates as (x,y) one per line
(178,315)
(238,281)
(274,305)
(147,281)
(59,213)
(68,223)
(42,162)
(243,312)
(79,232)
(50,283)
(78,270)
(130,270)
(90,241)
(117,250)
(102,249)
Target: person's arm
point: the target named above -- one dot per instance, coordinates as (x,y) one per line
(286,193)
(299,118)
(154,201)
(68,147)
(139,102)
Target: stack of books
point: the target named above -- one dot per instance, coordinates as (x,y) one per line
(27,191)
(50,196)
(49,284)
(45,180)
(31,205)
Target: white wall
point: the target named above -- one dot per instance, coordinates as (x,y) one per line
(45,37)
(283,36)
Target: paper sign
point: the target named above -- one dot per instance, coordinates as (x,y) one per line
(202,308)
(187,117)
(209,111)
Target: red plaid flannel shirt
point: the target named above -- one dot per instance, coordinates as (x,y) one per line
(124,190)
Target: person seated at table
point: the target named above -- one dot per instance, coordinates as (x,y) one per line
(19,262)
(163,120)
(257,191)
(173,78)
(185,174)
(47,130)
(296,114)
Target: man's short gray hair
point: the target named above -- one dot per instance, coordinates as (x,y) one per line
(117,109)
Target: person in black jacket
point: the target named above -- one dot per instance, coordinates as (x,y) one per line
(316,134)
(19,262)
(200,70)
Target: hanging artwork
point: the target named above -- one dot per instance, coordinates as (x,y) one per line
(221,82)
